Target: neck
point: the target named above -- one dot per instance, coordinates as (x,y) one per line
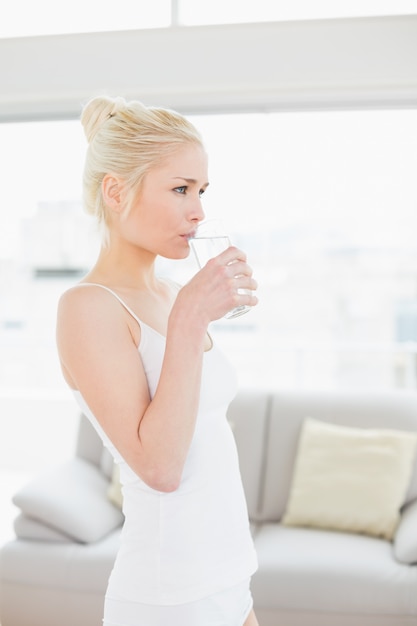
(124,267)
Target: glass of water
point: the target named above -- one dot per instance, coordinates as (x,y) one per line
(209,240)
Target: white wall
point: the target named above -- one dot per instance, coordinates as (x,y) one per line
(359,62)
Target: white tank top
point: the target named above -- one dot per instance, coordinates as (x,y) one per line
(181,546)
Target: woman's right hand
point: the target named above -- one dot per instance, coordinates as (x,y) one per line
(218,287)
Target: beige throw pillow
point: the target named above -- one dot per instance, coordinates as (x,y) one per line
(350,479)
(114,492)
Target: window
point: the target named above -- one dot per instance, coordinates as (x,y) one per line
(324,204)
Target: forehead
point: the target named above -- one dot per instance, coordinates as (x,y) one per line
(189,161)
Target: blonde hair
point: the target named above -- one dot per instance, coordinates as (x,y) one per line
(127,139)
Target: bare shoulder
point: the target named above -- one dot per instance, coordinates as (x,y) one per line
(93,332)
(94,309)
(85,301)
(82,295)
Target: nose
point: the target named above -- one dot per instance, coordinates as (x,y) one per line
(197,214)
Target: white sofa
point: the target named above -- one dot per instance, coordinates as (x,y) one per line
(56,569)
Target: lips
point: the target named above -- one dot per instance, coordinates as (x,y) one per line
(189,235)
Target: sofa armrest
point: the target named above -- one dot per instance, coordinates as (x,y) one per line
(72,500)
(405,539)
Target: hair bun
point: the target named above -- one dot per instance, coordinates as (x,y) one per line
(97,111)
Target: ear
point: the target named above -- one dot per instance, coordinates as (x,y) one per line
(111,189)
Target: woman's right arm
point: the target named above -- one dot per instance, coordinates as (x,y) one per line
(97,343)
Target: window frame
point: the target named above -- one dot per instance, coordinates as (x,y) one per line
(300,65)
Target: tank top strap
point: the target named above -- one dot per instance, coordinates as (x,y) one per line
(122,302)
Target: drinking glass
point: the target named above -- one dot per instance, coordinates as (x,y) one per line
(209,240)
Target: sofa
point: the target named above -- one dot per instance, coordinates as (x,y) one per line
(55,570)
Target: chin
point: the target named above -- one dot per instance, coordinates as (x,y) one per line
(176,256)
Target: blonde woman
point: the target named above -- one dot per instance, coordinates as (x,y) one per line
(136,352)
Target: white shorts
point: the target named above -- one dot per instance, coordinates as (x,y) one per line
(226,608)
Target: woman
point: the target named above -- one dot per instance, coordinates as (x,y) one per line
(136,352)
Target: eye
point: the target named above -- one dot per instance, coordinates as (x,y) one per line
(182,189)
(200,193)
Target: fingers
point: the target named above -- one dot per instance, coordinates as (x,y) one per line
(231,255)
(245,282)
(235,262)
(238,269)
(226,282)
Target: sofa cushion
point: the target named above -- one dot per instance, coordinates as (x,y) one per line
(69,566)
(288,410)
(106,463)
(71,499)
(248,415)
(351,479)
(336,573)
(405,540)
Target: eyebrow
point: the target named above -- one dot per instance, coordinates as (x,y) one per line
(190,181)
